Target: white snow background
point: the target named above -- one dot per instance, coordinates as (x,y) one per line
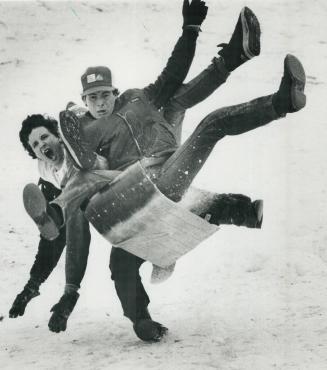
(245,299)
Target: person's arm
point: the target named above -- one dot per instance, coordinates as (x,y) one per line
(78,242)
(46,259)
(181,58)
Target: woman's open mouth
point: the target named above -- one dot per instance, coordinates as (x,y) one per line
(49,153)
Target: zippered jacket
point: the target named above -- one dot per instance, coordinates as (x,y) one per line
(137,128)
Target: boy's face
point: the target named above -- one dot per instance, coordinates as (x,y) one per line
(46,146)
(100,103)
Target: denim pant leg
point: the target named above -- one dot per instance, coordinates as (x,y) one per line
(194,92)
(80,187)
(179,170)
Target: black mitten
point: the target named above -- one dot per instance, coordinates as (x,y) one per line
(61,312)
(30,291)
(194,13)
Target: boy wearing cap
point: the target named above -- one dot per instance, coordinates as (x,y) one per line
(97,91)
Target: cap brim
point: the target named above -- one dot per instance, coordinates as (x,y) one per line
(98,88)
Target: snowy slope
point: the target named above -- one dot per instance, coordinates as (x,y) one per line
(245,299)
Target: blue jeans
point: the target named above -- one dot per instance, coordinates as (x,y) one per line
(194,92)
(81,186)
(176,175)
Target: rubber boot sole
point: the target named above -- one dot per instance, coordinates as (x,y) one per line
(161,274)
(73,138)
(295,70)
(251,33)
(258,208)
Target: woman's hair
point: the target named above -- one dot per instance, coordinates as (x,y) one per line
(32,122)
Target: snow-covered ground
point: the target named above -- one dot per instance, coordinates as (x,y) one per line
(244,299)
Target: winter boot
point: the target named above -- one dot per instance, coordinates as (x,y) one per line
(234,209)
(147,329)
(78,110)
(244,43)
(48,219)
(161,274)
(290,96)
(73,137)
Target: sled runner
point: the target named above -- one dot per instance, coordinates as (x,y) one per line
(132,214)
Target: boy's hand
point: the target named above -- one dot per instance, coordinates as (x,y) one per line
(61,312)
(21,301)
(57,323)
(194,13)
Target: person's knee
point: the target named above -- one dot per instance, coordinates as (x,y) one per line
(213,122)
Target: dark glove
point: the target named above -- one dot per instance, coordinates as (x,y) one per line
(195,13)
(61,312)
(20,303)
